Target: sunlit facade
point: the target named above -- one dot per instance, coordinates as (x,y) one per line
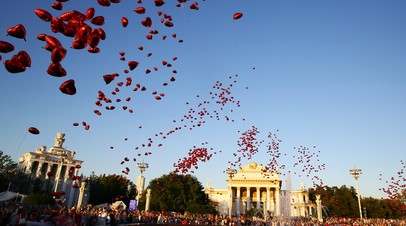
(55,166)
(253,187)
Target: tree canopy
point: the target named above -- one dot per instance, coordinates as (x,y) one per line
(343,202)
(179,193)
(111,188)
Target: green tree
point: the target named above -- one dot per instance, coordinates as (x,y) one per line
(8,169)
(343,202)
(179,193)
(108,189)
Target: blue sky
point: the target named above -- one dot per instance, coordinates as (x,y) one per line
(328,74)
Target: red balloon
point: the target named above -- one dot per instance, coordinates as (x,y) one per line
(57,5)
(43,15)
(132,65)
(102,34)
(58,54)
(56,69)
(17,31)
(168,24)
(79,43)
(140,10)
(194,6)
(94,38)
(6,47)
(93,50)
(52,42)
(124,21)
(14,66)
(68,87)
(159,2)
(33,130)
(108,78)
(83,31)
(105,3)
(237,16)
(98,20)
(24,58)
(147,22)
(90,13)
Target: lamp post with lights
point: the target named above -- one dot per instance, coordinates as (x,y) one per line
(356,173)
(230,172)
(140,180)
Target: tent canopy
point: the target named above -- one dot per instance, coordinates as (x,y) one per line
(8,195)
(115,205)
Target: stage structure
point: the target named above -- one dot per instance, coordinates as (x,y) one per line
(56,167)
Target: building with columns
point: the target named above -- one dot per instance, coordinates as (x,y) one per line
(55,167)
(252,186)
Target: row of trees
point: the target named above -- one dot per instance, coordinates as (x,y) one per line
(343,202)
(180,193)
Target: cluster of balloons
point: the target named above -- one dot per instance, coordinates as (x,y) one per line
(194,156)
(396,189)
(85,32)
(219,99)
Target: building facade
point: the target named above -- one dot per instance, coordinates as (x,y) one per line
(254,187)
(57,167)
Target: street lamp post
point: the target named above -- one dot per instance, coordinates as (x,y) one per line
(230,172)
(356,173)
(140,181)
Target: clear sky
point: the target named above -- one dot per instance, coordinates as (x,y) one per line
(327,75)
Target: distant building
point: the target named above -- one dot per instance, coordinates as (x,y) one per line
(254,187)
(55,167)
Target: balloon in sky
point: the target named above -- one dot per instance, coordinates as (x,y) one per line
(33,130)
(68,87)
(237,16)
(6,47)
(18,31)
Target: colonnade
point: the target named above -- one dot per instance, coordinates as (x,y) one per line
(244,198)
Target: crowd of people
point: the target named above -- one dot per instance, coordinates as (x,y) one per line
(13,214)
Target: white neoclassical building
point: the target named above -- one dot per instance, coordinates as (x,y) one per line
(252,186)
(57,165)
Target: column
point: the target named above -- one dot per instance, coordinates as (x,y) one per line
(230,202)
(272,207)
(65,178)
(48,170)
(147,199)
(258,197)
(319,209)
(268,199)
(248,198)
(38,174)
(82,191)
(58,176)
(277,202)
(238,201)
(72,195)
(28,168)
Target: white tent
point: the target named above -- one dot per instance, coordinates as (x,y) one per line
(115,205)
(119,205)
(8,195)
